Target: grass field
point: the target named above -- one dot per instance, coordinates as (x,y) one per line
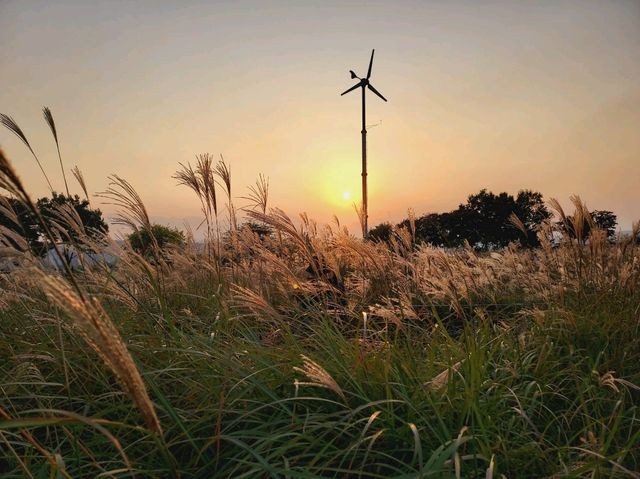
(310,353)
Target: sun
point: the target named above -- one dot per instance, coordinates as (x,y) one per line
(346,195)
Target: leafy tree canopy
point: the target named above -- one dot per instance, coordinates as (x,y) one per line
(261,229)
(165,236)
(483,221)
(381,232)
(57,212)
(605,220)
(580,227)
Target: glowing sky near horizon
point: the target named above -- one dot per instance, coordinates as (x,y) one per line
(499,95)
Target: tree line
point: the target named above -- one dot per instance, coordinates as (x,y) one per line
(19,221)
(485,222)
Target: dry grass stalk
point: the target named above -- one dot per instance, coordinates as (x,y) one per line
(257,304)
(463,277)
(93,323)
(13,127)
(318,376)
(10,182)
(37,446)
(281,222)
(440,381)
(358,208)
(88,315)
(259,194)
(131,212)
(66,220)
(10,239)
(517,222)
(80,179)
(202,181)
(48,117)
(223,171)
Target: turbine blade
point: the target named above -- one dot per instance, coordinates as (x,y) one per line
(351,89)
(376,91)
(370,64)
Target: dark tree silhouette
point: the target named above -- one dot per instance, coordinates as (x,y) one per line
(381,232)
(605,220)
(25,224)
(164,235)
(91,218)
(261,229)
(483,221)
(30,228)
(430,229)
(531,210)
(488,224)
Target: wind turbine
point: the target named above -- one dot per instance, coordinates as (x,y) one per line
(364,84)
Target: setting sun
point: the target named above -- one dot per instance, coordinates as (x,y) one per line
(346,195)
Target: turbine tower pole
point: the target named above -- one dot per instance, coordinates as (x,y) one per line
(364,83)
(365,214)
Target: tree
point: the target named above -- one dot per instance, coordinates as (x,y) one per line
(531,210)
(487,223)
(381,232)
(164,236)
(605,220)
(91,219)
(443,229)
(430,229)
(263,230)
(484,221)
(53,213)
(18,219)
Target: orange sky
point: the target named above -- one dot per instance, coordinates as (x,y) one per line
(505,95)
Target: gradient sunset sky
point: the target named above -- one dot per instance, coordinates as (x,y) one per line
(501,95)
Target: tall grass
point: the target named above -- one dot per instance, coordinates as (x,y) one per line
(310,353)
